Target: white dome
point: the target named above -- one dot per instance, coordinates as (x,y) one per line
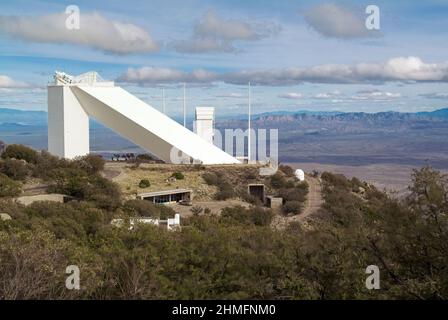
(300,174)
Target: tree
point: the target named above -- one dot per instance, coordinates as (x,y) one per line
(20,152)
(9,187)
(15,169)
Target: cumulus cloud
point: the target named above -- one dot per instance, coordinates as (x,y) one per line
(290,95)
(153,76)
(333,21)
(216,34)
(95,31)
(7,83)
(436,95)
(328,95)
(376,95)
(402,69)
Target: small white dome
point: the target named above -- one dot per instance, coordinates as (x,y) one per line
(300,174)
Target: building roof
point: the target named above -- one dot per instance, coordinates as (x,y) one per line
(164,192)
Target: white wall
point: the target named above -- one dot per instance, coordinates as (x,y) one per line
(68,124)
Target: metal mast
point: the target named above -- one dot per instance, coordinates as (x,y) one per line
(163,100)
(248,126)
(185,107)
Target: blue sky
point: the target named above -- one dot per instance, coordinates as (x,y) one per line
(313,55)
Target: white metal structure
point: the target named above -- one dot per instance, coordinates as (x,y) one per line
(300,174)
(204,123)
(72,100)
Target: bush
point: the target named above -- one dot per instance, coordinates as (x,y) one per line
(278,181)
(8,187)
(14,169)
(141,208)
(91,163)
(178,175)
(144,183)
(20,152)
(196,210)
(238,214)
(210,178)
(294,207)
(287,170)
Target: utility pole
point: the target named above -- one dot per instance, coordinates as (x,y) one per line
(249,127)
(163,100)
(185,107)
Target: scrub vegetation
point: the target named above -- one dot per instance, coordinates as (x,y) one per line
(235,255)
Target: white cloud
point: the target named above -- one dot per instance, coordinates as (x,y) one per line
(334,21)
(376,95)
(8,83)
(328,95)
(290,95)
(95,31)
(216,34)
(402,69)
(152,75)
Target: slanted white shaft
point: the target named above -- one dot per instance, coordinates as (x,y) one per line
(71,103)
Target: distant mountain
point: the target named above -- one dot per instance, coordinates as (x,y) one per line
(22,117)
(441,113)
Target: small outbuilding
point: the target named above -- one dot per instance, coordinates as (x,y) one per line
(274,202)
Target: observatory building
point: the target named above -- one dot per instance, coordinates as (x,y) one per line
(72,100)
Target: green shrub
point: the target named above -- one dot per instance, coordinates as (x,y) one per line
(91,163)
(287,170)
(14,169)
(141,208)
(20,152)
(178,175)
(9,187)
(294,207)
(196,210)
(278,181)
(210,178)
(144,183)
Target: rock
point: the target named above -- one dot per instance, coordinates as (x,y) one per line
(5,216)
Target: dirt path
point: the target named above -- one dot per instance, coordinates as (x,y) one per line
(314,199)
(312,205)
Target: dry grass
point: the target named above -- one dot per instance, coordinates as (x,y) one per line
(158,175)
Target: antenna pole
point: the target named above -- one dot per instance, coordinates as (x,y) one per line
(163,100)
(185,108)
(248,127)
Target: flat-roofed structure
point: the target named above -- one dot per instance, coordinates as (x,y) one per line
(168,196)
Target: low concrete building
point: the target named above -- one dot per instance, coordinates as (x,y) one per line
(274,202)
(54,197)
(168,196)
